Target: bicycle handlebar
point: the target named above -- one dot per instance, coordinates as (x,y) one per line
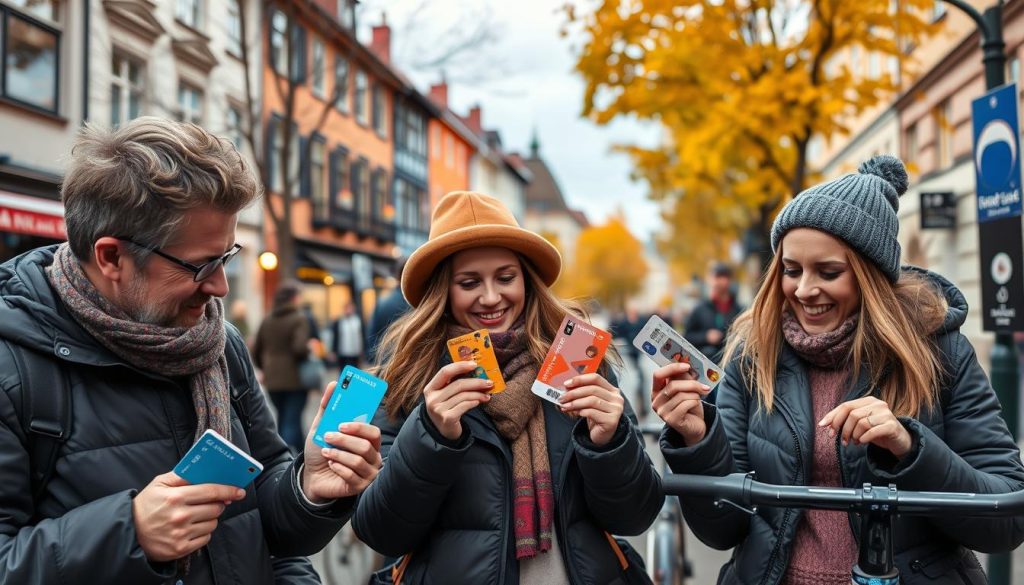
(741,489)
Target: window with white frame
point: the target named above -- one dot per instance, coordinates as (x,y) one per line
(449,152)
(234,42)
(279,42)
(319,68)
(360,97)
(31,54)
(435,142)
(894,69)
(379,110)
(341,82)
(188,12)
(911,146)
(126,89)
(190,103)
(317,178)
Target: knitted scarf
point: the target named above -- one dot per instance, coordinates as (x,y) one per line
(196,352)
(518,416)
(824,350)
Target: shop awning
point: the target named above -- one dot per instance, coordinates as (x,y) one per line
(339,266)
(34,216)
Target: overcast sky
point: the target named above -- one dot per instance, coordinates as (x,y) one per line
(524,80)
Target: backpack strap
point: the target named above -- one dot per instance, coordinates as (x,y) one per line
(45,412)
(238,379)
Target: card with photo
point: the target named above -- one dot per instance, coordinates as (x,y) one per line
(663,344)
(578,348)
(477,346)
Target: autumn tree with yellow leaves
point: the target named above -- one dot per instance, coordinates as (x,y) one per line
(740,88)
(609,265)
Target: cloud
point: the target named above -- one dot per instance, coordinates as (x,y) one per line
(535,88)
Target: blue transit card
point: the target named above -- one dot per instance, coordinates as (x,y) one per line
(355,399)
(214,459)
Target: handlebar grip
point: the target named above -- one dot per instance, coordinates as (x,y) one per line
(731,487)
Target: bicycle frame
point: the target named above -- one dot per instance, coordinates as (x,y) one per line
(877,506)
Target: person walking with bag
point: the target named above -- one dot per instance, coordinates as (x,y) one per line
(504,488)
(847,369)
(279,350)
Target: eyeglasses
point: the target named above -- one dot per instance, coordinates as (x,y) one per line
(200,272)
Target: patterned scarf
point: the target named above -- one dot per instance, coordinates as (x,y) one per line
(829,350)
(196,352)
(514,411)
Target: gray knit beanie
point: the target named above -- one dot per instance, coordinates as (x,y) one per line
(858,208)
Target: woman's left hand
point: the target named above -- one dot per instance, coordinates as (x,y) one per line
(595,399)
(868,420)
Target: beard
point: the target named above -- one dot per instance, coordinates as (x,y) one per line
(143,309)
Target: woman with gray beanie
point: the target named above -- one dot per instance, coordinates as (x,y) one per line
(847,369)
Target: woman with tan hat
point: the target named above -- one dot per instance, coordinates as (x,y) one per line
(503,488)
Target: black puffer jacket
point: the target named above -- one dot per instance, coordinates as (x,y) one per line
(964,447)
(451,507)
(128,427)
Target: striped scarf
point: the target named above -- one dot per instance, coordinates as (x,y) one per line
(196,352)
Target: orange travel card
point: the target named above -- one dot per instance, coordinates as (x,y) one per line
(578,348)
(477,346)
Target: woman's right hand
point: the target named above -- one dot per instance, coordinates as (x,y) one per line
(448,397)
(676,398)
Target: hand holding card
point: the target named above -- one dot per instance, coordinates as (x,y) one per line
(578,349)
(355,399)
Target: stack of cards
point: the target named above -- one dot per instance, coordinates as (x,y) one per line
(665,345)
(578,348)
(477,346)
(355,399)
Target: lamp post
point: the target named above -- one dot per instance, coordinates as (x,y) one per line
(1004,372)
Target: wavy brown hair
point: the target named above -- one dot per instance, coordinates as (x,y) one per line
(893,339)
(411,347)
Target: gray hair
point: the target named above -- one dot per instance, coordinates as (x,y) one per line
(139,180)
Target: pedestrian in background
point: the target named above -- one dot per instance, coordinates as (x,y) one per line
(846,370)
(456,454)
(708,323)
(280,346)
(347,337)
(387,311)
(122,328)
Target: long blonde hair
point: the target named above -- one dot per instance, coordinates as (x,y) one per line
(412,346)
(893,338)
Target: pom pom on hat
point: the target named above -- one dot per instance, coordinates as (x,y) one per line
(891,169)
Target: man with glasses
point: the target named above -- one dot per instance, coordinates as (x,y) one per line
(128,314)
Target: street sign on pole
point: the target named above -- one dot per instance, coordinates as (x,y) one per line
(997,172)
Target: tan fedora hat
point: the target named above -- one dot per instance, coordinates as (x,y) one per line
(463,220)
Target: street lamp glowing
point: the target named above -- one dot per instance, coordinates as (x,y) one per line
(328,280)
(268,261)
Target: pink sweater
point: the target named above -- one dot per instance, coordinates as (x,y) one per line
(824,548)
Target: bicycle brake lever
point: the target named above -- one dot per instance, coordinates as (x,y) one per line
(751,511)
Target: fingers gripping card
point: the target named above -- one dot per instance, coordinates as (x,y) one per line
(665,345)
(578,348)
(477,346)
(355,399)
